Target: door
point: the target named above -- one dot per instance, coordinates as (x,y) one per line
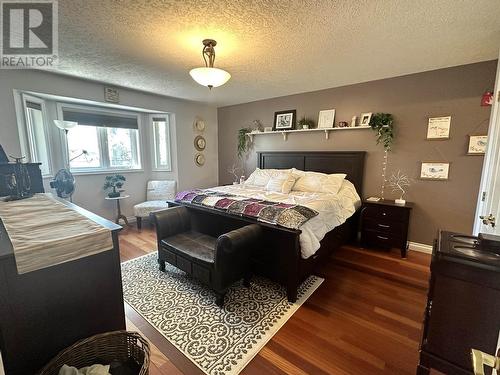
(487,218)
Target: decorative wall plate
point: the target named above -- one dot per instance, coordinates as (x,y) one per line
(200,143)
(199,159)
(199,125)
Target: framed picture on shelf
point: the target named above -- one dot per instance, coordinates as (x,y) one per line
(285,120)
(477,144)
(326,119)
(437,171)
(365,119)
(439,127)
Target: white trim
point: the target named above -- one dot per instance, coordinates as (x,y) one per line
(420,247)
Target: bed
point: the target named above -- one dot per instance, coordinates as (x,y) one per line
(288,256)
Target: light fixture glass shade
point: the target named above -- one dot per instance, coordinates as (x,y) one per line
(65,125)
(211,77)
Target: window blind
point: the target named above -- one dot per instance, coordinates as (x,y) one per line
(34,105)
(100,120)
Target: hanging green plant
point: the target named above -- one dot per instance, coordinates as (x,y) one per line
(243,141)
(382,123)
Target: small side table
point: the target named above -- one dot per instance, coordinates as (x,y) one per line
(119,214)
(384,224)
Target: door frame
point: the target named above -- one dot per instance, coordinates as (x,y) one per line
(490,175)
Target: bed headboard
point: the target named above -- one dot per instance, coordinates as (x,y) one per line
(349,162)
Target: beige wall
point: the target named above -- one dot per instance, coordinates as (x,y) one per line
(89,192)
(412,100)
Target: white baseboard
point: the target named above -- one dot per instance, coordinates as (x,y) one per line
(420,247)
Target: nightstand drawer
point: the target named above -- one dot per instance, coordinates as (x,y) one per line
(378,239)
(385,213)
(386,226)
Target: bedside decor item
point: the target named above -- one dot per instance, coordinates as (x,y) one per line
(233,170)
(114,182)
(326,118)
(284,120)
(3,156)
(434,171)
(208,75)
(305,123)
(343,124)
(200,143)
(439,128)
(382,123)
(398,182)
(244,142)
(199,160)
(365,119)
(384,224)
(477,144)
(199,125)
(111,95)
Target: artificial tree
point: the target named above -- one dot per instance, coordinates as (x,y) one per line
(114,182)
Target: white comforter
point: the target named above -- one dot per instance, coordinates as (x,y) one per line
(334,209)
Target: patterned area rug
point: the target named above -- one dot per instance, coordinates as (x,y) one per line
(218,341)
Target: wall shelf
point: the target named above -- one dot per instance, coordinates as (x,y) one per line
(285,133)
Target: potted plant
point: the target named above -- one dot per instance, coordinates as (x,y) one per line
(243,141)
(305,123)
(114,182)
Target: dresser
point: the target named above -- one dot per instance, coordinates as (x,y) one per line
(463,305)
(384,224)
(47,310)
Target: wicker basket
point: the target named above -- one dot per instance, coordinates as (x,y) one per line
(105,347)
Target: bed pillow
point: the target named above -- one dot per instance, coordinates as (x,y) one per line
(316,182)
(260,177)
(281,183)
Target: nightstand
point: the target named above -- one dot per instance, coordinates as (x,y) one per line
(384,224)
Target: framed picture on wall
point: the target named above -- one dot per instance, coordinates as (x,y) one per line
(437,171)
(326,119)
(285,120)
(477,144)
(439,128)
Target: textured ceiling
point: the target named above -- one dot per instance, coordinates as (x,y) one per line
(271,48)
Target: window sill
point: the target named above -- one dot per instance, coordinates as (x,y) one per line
(161,170)
(108,171)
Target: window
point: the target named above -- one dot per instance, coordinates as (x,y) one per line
(102,141)
(34,110)
(161,141)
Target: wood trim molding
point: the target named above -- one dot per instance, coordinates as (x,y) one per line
(420,247)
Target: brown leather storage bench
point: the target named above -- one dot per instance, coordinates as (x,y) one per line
(217,262)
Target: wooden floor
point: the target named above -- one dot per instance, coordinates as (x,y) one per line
(364,319)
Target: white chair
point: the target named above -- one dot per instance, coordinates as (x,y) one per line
(157,194)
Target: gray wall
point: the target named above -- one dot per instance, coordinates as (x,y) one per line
(89,192)
(412,100)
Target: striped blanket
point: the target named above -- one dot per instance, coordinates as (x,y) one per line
(290,216)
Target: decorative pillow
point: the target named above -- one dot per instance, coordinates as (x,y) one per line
(281,183)
(260,177)
(318,182)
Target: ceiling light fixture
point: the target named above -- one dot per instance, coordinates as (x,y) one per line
(209,76)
